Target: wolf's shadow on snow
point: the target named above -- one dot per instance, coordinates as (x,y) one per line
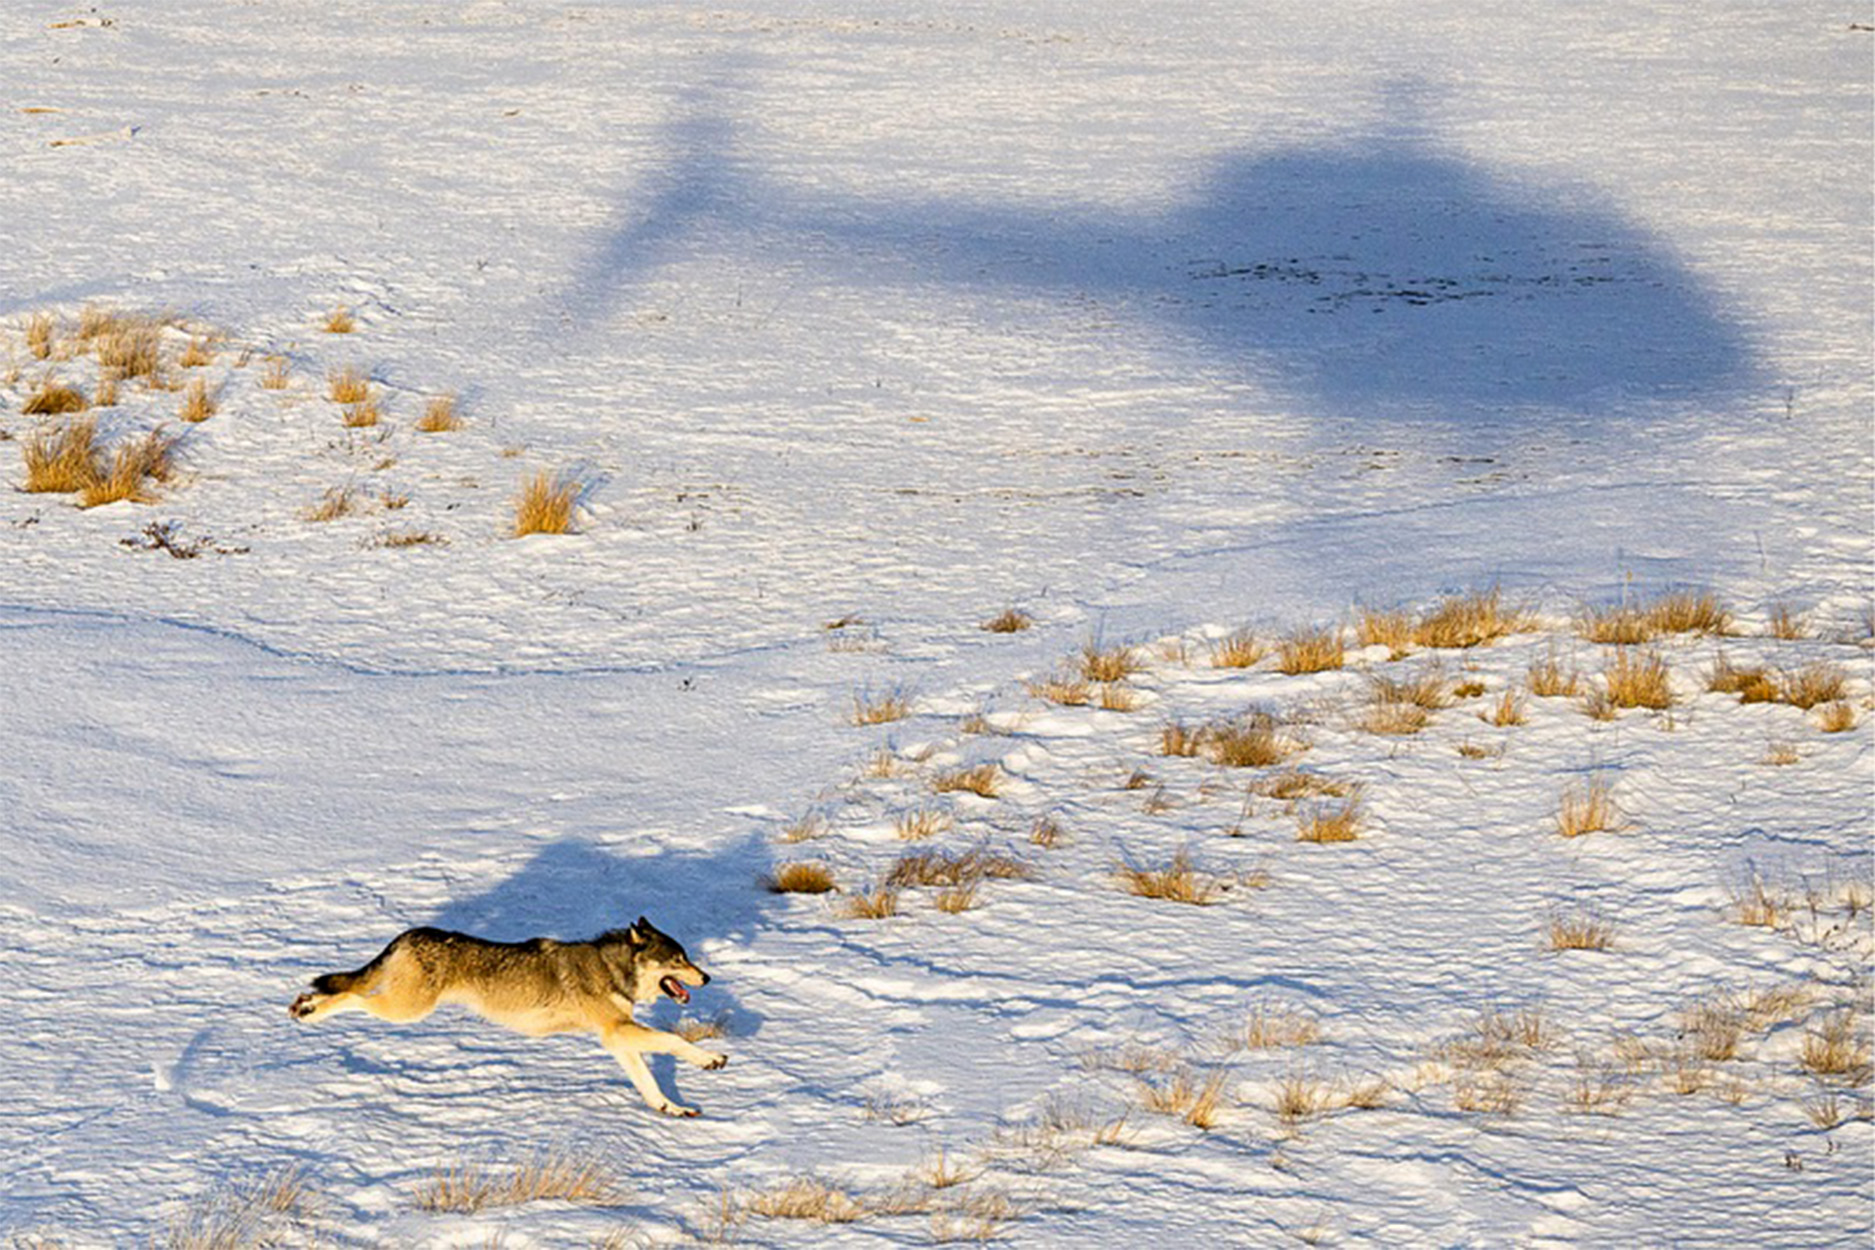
(573,890)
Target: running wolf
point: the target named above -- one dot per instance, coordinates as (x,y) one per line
(535,987)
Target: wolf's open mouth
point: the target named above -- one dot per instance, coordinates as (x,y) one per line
(675,988)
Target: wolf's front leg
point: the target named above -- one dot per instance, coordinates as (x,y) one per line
(622,1047)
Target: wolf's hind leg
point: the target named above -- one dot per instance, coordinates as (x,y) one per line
(391,987)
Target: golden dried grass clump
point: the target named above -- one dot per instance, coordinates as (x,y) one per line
(129,347)
(921,823)
(1689,612)
(883,710)
(1392,629)
(873,904)
(805,1198)
(1587,809)
(1293,784)
(1108,664)
(339,321)
(1330,822)
(1579,931)
(347,386)
(1403,705)
(362,415)
(1179,881)
(984,781)
(1786,623)
(1508,711)
(1637,679)
(1309,651)
(61,458)
(1239,650)
(1068,691)
(1184,1096)
(1838,717)
(338,501)
(469,1187)
(800,876)
(1278,1026)
(1472,620)
(1751,685)
(1008,621)
(545,504)
(1254,741)
(277,374)
(39,335)
(1548,679)
(133,465)
(197,353)
(963,868)
(1623,625)
(440,415)
(51,398)
(1836,1049)
(198,405)
(1811,685)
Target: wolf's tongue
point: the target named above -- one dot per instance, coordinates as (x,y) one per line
(675,988)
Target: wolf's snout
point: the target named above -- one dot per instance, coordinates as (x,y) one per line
(704,975)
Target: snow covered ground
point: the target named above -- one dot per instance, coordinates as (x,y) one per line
(857,327)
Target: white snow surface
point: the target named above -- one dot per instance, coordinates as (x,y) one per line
(857,325)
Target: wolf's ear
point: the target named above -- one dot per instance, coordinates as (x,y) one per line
(643,925)
(636,934)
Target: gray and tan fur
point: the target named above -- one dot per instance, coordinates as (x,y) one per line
(535,987)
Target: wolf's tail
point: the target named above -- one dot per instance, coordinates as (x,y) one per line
(340,982)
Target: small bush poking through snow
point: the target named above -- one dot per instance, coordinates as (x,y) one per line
(545,505)
(339,321)
(800,876)
(53,398)
(1179,881)
(1473,620)
(1587,809)
(982,781)
(1634,679)
(439,415)
(1239,650)
(1008,621)
(1309,651)
(62,458)
(475,1187)
(1330,822)
(347,386)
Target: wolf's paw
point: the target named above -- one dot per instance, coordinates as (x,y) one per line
(713,1062)
(303,1006)
(678,1109)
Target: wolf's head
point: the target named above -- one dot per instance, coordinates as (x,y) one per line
(657,964)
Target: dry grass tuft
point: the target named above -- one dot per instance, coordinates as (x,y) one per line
(880,711)
(362,415)
(1637,680)
(338,501)
(133,465)
(198,354)
(1837,717)
(1108,664)
(1548,679)
(1047,833)
(1812,684)
(1300,1097)
(1293,784)
(1751,685)
(982,781)
(1180,881)
(1587,809)
(277,374)
(1278,1026)
(1181,740)
(469,1187)
(1330,822)
(1008,621)
(805,829)
(1118,697)
(51,398)
(800,876)
(347,386)
(1579,931)
(965,868)
(1508,711)
(61,458)
(805,1198)
(129,347)
(1184,1095)
(957,898)
(1309,651)
(1067,691)
(1780,754)
(1473,620)
(1687,612)
(197,404)
(1622,625)
(874,904)
(1253,741)
(339,321)
(440,415)
(922,822)
(400,539)
(1239,650)
(1836,1049)
(1428,689)
(1787,623)
(39,335)
(545,504)
(1392,630)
